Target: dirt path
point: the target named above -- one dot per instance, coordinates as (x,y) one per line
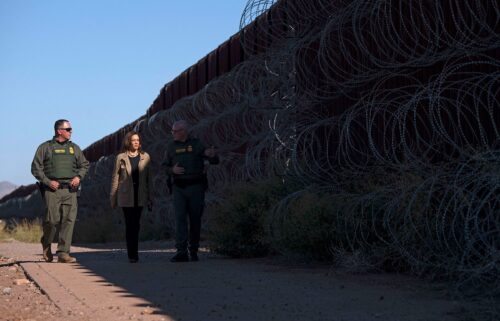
(104,286)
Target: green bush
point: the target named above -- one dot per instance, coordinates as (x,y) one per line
(237,226)
(256,219)
(157,225)
(306,229)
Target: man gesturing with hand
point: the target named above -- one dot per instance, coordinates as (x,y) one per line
(185,164)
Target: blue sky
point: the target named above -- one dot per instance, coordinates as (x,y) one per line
(98,63)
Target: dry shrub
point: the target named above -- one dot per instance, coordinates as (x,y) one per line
(108,227)
(102,226)
(306,229)
(3,231)
(157,225)
(237,225)
(29,231)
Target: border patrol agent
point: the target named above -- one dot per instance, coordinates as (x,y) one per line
(59,165)
(185,164)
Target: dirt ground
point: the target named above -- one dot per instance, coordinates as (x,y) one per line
(22,300)
(103,285)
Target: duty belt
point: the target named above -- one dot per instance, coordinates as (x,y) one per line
(65,185)
(183,182)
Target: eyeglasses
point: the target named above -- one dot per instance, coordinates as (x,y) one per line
(66,129)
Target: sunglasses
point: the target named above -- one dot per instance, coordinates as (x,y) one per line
(66,129)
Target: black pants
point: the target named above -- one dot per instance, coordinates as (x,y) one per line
(188,205)
(132,225)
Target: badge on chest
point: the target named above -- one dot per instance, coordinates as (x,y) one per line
(188,149)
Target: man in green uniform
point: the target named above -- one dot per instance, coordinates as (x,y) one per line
(59,165)
(185,164)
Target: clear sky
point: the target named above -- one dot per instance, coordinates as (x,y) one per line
(98,63)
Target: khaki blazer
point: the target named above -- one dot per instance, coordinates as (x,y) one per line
(122,188)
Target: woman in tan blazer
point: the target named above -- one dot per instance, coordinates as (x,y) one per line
(131,189)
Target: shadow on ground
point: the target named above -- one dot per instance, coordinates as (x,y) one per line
(217,288)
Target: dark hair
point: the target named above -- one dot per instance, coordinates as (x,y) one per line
(127,141)
(59,123)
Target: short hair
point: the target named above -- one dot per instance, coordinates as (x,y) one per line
(182,123)
(127,141)
(59,122)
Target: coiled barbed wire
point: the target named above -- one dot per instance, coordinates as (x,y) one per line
(390,109)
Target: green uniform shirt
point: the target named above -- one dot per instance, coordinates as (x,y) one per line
(71,155)
(188,154)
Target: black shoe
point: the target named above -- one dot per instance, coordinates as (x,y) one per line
(180,257)
(194,256)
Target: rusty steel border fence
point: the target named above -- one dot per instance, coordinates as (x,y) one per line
(387,109)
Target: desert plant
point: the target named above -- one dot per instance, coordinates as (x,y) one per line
(3,231)
(29,231)
(107,227)
(157,225)
(238,225)
(306,228)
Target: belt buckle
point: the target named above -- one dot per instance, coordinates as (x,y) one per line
(64,185)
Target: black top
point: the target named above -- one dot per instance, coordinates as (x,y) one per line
(134,163)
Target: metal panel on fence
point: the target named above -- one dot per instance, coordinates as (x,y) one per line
(235,51)
(223,58)
(175,90)
(262,40)
(201,72)
(277,20)
(212,65)
(249,38)
(192,80)
(183,84)
(168,96)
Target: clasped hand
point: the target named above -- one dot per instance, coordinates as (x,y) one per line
(178,169)
(54,185)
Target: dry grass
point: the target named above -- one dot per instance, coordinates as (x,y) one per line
(29,231)
(3,234)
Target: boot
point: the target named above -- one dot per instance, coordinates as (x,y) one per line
(180,257)
(47,252)
(65,258)
(193,256)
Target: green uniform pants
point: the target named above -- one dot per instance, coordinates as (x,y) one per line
(188,204)
(61,209)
